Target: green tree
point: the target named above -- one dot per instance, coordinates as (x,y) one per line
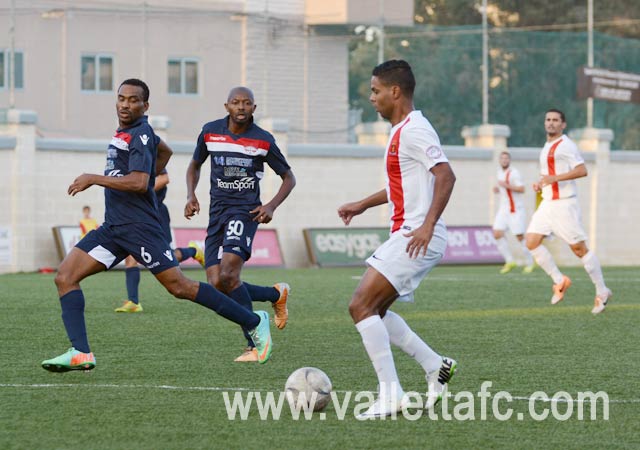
(520,13)
(529,71)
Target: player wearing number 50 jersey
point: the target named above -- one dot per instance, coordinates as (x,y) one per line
(559,212)
(239,150)
(419,184)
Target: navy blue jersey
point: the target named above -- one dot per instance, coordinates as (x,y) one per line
(132,149)
(237,164)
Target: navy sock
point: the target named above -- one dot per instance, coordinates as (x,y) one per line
(72,304)
(262,293)
(132,275)
(215,300)
(187,252)
(241,295)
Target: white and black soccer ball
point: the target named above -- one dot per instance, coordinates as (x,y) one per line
(310,385)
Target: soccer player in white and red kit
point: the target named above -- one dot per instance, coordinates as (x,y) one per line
(419,184)
(511,214)
(559,212)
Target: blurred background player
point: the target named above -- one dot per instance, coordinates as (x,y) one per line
(511,214)
(132,271)
(132,227)
(559,213)
(239,149)
(419,182)
(87,223)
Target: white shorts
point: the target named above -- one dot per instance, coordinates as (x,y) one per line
(516,222)
(561,217)
(405,274)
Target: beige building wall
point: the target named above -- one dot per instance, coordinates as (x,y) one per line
(326,52)
(328,175)
(263,44)
(394,12)
(297,74)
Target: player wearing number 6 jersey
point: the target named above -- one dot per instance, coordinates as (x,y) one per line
(239,150)
(132,227)
(419,184)
(511,213)
(559,213)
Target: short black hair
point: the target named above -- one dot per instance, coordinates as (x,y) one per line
(553,110)
(244,89)
(396,72)
(139,83)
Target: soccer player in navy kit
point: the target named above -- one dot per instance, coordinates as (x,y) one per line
(132,227)
(132,271)
(238,149)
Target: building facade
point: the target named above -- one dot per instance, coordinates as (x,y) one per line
(70,57)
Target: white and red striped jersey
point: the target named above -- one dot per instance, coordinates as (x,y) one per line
(510,200)
(413,149)
(559,156)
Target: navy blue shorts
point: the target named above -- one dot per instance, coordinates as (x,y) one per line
(229,233)
(110,244)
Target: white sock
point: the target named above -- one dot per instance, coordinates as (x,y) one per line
(545,260)
(592,266)
(409,342)
(528,259)
(503,248)
(376,341)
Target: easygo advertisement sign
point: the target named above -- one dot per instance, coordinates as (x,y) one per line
(329,247)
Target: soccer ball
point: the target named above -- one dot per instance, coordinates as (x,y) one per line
(308,381)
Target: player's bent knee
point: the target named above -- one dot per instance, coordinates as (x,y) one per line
(178,285)
(184,288)
(360,310)
(178,290)
(215,283)
(63,280)
(580,250)
(532,242)
(228,281)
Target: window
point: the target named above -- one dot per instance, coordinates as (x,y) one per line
(5,71)
(97,73)
(183,76)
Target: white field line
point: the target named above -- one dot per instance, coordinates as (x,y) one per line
(131,386)
(520,278)
(508,278)
(234,389)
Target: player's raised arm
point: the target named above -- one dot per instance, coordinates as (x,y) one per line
(349,210)
(577,172)
(132,182)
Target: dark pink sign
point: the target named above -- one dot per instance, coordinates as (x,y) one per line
(265,251)
(471,245)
